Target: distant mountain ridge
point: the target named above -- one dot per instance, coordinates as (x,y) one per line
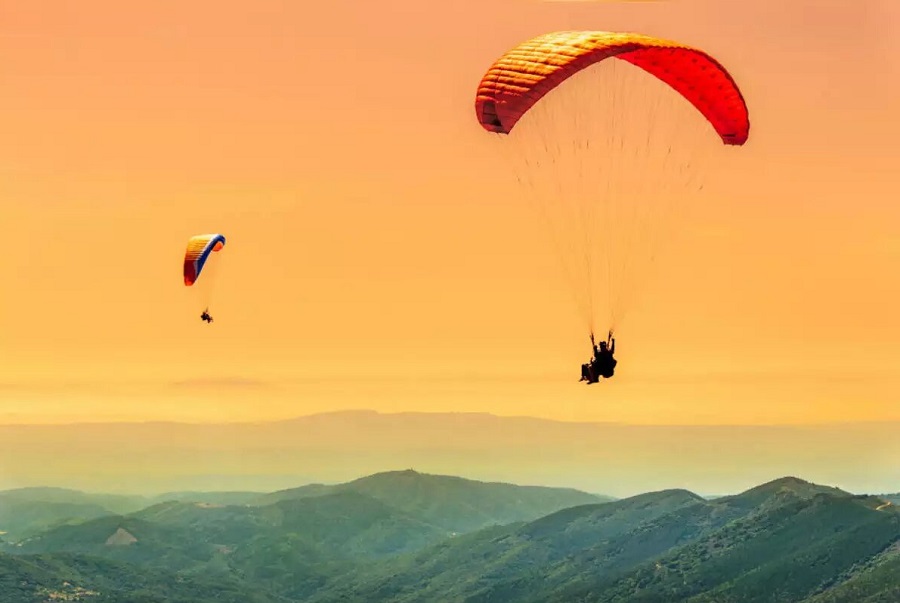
(612,459)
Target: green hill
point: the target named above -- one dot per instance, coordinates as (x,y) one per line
(64,577)
(212,498)
(344,523)
(114,503)
(408,537)
(292,544)
(453,503)
(300,541)
(320,541)
(124,538)
(778,490)
(19,520)
(666,546)
(787,549)
(26,512)
(511,562)
(877,581)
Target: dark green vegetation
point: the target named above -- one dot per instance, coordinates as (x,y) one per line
(453,503)
(405,536)
(28,511)
(64,577)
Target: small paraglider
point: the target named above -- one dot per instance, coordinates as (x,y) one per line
(196,257)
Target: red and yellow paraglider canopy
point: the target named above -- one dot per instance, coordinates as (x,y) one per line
(522,76)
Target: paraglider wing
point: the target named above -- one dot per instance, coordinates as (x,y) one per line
(198,250)
(610,153)
(522,76)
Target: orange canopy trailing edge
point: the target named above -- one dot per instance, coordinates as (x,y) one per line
(522,76)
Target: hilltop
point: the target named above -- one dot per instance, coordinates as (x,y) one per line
(454,503)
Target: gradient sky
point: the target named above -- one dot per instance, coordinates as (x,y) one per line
(375,258)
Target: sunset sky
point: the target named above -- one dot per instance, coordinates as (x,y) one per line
(376,258)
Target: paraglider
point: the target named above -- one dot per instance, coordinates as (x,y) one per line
(196,257)
(607,153)
(603,363)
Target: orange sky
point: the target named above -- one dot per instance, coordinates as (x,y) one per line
(376,260)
